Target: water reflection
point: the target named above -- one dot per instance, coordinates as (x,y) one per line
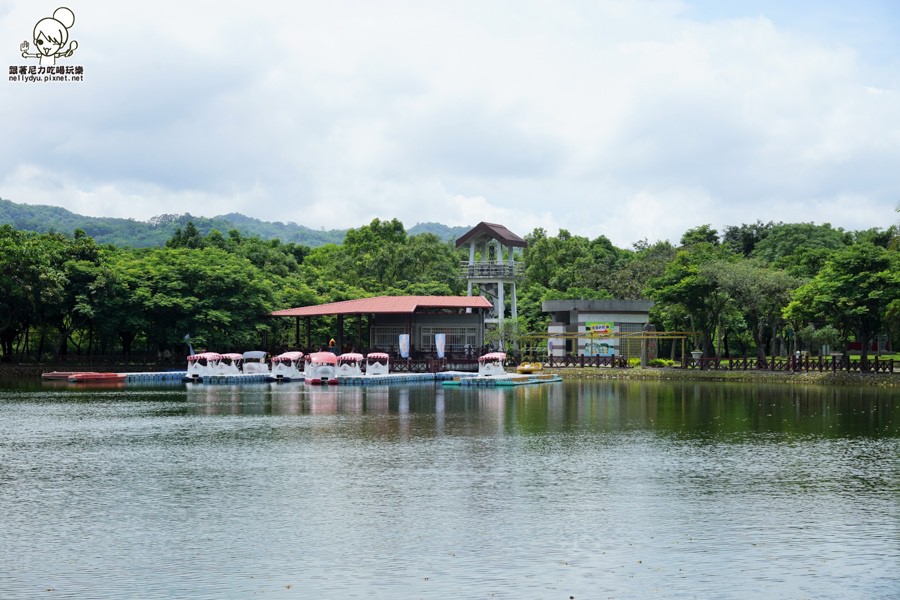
(584,489)
(683,410)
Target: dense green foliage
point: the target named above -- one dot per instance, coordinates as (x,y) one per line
(853,292)
(756,289)
(60,293)
(158,230)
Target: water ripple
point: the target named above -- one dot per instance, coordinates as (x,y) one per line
(580,490)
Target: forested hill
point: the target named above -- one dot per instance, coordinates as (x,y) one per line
(155,232)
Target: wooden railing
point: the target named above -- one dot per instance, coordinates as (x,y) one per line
(468,362)
(793,364)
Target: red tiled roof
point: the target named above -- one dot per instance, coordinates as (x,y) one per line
(385,304)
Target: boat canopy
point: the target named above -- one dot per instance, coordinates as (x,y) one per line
(205,356)
(255,355)
(350,357)
(492,356)
(235,356)
(292,356)
(323,358)
(377,357)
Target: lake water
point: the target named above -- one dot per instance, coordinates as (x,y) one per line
(574,490)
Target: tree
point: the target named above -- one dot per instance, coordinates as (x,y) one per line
(853,292)
(22,268)
(744,239)
(189,237)
(529,300)
(799,248)
(886,238)
(45,282)
(567,262)
(374,253)
(506,334)
(690,282)
(704,234)
(80,259)
(211,294)
(760,294)
(431,260)
(635,270)
(117,293)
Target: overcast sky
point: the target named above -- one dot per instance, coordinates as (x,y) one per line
(632,119)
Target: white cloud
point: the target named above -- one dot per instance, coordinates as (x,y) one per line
(626,119)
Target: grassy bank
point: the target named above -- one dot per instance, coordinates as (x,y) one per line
(663,374)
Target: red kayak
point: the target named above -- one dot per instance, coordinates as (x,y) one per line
(93,377)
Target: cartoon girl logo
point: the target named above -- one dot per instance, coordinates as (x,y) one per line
(50,37)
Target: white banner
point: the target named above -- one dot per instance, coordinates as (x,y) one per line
(440,340)
(404,345)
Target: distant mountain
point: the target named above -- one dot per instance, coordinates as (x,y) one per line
(442,231)
(286,232)
(159,229)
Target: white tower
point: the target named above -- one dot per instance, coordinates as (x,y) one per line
(492,266)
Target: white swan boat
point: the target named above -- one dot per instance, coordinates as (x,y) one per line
(491,364)
(491,372)
(287,366)
(201,364)
(230,364)
(377,363)
(349,364)
(320,369)
(255,362)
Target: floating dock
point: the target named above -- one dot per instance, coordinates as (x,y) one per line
(94,377)
(502,380)
(156,376)
(232,378)
(447,378)
(391,378)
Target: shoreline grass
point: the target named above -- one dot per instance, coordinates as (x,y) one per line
(841,378)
